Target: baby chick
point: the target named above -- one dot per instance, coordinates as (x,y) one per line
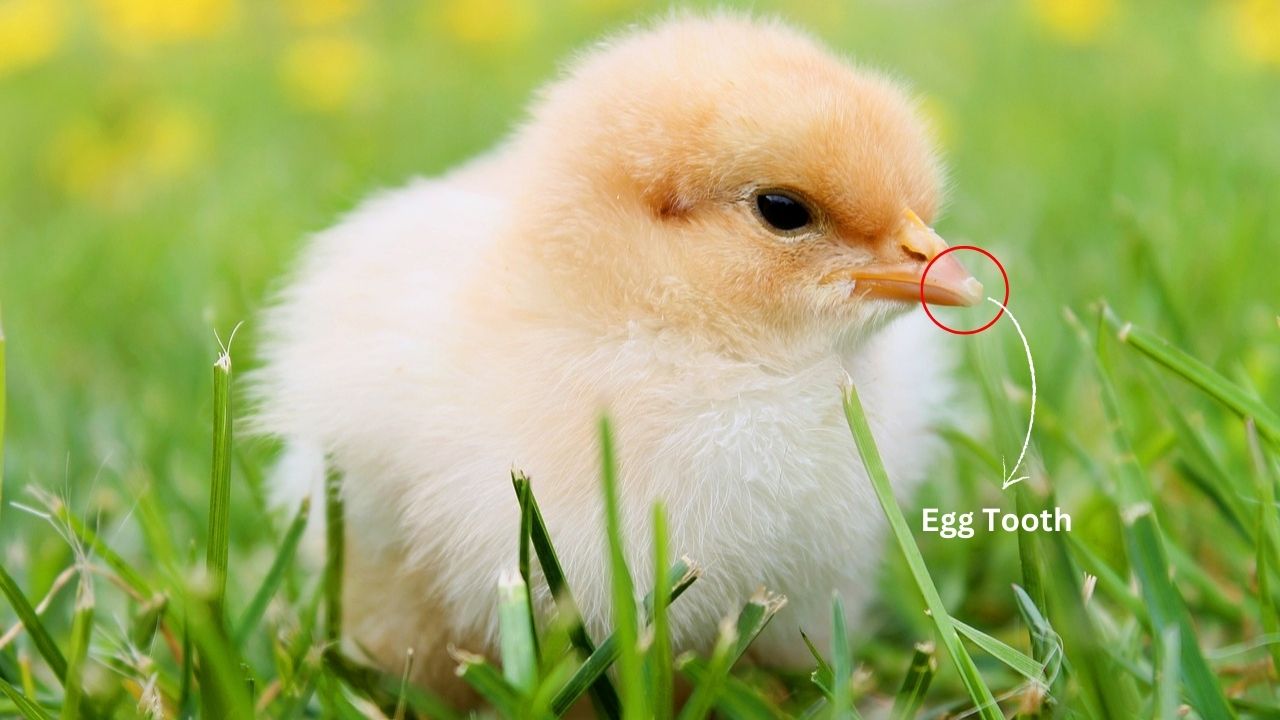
(702,229)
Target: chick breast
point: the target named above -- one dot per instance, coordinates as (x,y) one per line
(399,355)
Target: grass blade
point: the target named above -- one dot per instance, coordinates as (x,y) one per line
(822,676)
(841,662)
(219,538)
(604,697)
(24,673)
(973,682)
(35,628)
(91,541)
(78,650)
(1106,690)
(186,682)
(1197,373)
(679,578)
(2,411)
(214,698)
(659,659)
(1030,556)
(1168,699)
(1014,660)
(736,699)
(1268,534)
(422,703)
(304,684)
(554,678)
(487,681)
(1046,646)
(1143,540)
(735,637)
(335,556)
(834,679)
(705,694)
(275,575)
(519,656)
(25,705)
(1212,601)
(526,525)
(383,689)
(336,704)
(755,615)
(222,691)
(625,620)
(147,619)
(1202,467)
(1109,580)
(335,559)
(154,524)
(1264,486)
(924,664)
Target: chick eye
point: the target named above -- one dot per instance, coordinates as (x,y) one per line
(782,212)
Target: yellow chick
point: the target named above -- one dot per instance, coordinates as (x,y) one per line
(701,229)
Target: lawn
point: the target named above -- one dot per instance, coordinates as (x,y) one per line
(161,163)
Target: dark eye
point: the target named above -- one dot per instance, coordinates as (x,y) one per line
(782,212)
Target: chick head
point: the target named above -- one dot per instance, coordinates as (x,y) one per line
(731,176)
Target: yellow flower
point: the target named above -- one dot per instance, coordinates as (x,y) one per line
(131,24)
(488,22)
(1075,21)
(324,72)
(115,164)
(168,142)
(30,32)
(1257,26)
(81,159)
(320,12)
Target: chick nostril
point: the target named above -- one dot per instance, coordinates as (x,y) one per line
(914,254)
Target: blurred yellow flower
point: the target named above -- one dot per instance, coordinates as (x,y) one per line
(131,24)
(170,141)
(489,22)
(1075,21)
(1257,26)
(324,72)
(320,12)
(30,32)
(114,164)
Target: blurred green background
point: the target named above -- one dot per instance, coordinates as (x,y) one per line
(162,161)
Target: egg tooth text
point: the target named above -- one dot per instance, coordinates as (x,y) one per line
(950,525)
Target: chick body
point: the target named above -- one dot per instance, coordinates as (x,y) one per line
(447,332)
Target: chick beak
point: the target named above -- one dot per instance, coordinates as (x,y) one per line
(948,283)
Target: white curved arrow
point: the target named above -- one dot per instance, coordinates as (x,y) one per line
(1009,479)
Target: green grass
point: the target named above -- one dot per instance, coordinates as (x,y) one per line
(151,196)
(916,683)
(901,531)
(2,411)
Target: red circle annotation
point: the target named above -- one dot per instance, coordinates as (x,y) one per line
(1004,275)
